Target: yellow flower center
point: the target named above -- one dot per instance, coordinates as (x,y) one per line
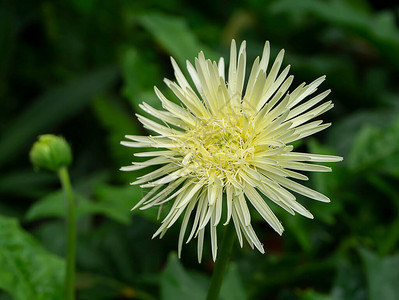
(217,147)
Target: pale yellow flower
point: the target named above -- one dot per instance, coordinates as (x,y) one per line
(224,148)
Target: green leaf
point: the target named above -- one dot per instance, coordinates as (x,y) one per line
(354,123)
(53,205)
(298,227)
(112,202)
(120,200)
(328,184)
(138,84)
(177,284)
(232,287)
(349,282)
(340,70)
(382,275)
(52,109)
(175,36)
(28,271)
(379,28)
(118,123)
(374,145)
(35,183)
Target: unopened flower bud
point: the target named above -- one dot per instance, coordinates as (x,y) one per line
(50,152)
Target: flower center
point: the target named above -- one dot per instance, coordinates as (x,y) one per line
(217,148)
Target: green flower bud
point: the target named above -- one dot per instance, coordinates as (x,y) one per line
(50,152)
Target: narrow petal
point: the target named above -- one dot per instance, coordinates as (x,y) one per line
(296,187)
(263,209)
(183,228)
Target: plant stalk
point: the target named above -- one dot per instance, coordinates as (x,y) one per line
(71,243)
(222,262)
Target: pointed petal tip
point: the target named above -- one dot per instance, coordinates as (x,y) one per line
(147,185)
(214,257)
(308,215)
(321,78)
(323,198)
(334,158)
(280,231)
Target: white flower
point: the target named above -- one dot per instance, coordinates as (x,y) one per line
(224,147)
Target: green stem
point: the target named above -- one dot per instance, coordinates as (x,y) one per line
(71,243)
(221,263)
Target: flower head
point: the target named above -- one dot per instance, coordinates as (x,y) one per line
(226,148)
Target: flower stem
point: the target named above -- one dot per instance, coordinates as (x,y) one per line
(71,243)
(221,263)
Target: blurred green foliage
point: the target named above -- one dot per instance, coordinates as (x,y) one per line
(28,271)
(80,68)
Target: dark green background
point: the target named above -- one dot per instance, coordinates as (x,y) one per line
(80,69)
